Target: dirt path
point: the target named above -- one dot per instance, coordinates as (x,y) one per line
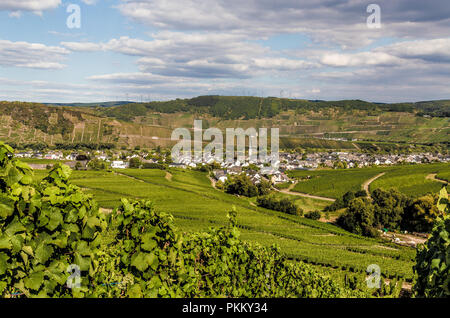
(305,195)
(433,177)
(213,182)
(366,184)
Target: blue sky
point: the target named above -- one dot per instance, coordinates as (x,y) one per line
(160,50)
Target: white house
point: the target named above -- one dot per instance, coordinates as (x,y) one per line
(119,165)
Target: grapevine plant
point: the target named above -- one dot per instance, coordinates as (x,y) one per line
(433,259)
(44,228)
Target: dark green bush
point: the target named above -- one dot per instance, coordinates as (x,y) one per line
(313,215)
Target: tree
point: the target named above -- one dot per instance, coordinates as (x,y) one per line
(135,163)
(389,208)
(359,218)
(97,164)
(242,185)
(264,187)
(421,214)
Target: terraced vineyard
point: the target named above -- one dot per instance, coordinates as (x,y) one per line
(189,196)
(409,179)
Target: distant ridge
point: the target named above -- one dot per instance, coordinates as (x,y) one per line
(99,104)
(302,123)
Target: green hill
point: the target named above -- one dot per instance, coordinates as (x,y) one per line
(347,124)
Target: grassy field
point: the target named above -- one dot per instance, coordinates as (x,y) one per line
(409,179)
(196,205)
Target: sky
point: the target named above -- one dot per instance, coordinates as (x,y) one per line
(146,50)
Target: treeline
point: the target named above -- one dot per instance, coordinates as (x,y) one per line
(390,210)
(250,107)
(85,146)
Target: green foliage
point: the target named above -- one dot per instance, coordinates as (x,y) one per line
(421,215)
(343,202)
(43,229)
(432,267)
(283,204)
(359,218)
(313,215)
(135,163)
(152,165)
(241,185)
(164,263)
(443,203)
(97,164)
(389,208)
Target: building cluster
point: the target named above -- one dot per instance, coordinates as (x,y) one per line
(290,161)
(254,169)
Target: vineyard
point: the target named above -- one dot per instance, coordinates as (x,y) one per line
(202,206)
(151,243)
(51,227)
(409,179)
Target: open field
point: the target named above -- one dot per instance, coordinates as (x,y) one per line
(189,196)
(409,179)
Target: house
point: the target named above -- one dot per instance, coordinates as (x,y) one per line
(279,178)
(219,174)
(234,170)
(119,164)
(177,165)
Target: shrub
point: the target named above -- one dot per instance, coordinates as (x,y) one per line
(286,205)
(151,165)
(313,215)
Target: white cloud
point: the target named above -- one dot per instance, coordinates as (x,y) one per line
(90,2)
(360,59)
(82,46)
(198,55)
(435,50)
(36,6)
(31,55)
(327,21)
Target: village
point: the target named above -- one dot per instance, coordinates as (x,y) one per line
(221,171)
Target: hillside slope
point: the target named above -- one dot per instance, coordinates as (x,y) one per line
(302,123)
